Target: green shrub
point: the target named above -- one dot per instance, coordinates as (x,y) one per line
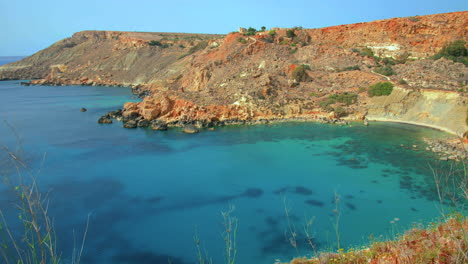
(242,40)
(300,73)
(181,46)
(388,61)
(155,43)
(69,45)
(326,105)
(351,68)
(200,46)
(386,70)
(402,82)
(290,33)
(454,51)
(263,29)
(250,31)
(347,98)
(292,51)
(380,89)
(340,111)
(366,52)
(272,32)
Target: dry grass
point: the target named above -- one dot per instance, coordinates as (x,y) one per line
(35,242)
(443,243)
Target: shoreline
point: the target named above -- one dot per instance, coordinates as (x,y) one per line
(141,92)
(439,128)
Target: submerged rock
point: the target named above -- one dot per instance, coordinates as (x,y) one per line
(83,109)
(190,129)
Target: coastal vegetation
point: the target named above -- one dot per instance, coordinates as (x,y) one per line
(385,70)
(290,33)
(300,72)
(345,98)
(199,46)
(455,51)
(250,31)
(380,89)
(351,68)
(443,243)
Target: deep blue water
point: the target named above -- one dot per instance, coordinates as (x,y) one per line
(148,191)
(8,59)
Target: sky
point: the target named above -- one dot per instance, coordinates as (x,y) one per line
(29,26)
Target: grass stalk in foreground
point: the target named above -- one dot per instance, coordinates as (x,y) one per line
(443,243)
(37,242)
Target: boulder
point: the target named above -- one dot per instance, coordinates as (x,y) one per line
(190,129)
(105,119)
(130,124)
(115,114)
(130,116)
(198,124)
(143,123)
(158,125)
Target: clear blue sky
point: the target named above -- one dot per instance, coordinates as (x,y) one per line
(28,26)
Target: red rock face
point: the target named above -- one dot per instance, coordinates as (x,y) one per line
(238,77)
(171,109)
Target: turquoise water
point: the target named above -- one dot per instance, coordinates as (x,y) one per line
(148,191)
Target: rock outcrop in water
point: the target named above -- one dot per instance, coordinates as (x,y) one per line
(278,74)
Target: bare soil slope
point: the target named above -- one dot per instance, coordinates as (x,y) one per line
(277,74)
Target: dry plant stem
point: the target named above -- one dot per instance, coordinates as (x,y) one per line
(336,225)
(76,258)
(13,241)
(38,242)
(202,258)
(443,181)
(34,216)
(309,237)
(229,235)
(291,234)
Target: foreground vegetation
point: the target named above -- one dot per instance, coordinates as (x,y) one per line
(35,241)
(443,243)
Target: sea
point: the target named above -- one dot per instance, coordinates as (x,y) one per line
(264,193)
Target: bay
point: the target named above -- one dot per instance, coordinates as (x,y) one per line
(148,192)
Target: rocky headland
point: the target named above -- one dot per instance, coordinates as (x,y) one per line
(252,76)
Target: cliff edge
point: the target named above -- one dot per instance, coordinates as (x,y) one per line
(251,76)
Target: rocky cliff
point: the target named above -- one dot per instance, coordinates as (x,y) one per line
(276,74)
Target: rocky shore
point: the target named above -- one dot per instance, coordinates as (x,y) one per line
(281,74)
(449,149)
(193,126)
